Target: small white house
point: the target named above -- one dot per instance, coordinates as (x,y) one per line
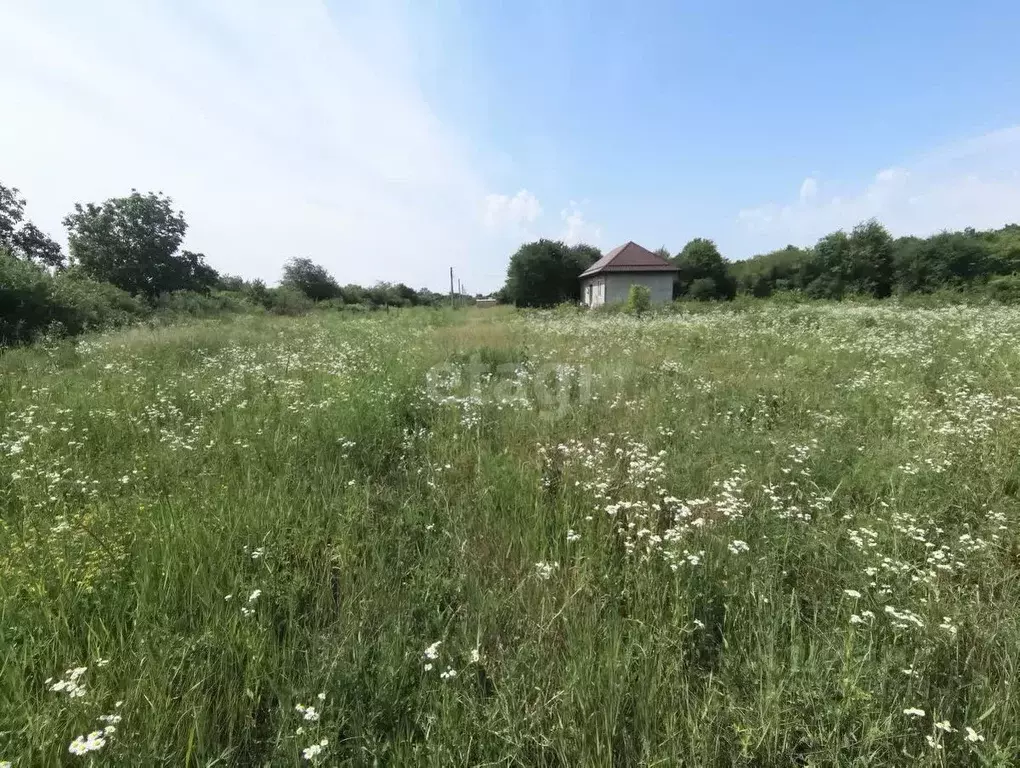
(609,279)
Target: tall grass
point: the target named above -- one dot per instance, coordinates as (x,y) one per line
(765,537)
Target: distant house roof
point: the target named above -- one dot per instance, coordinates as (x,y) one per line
(629,257)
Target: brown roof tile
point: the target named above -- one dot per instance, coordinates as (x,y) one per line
(629,257)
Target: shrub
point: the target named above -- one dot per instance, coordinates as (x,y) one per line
(1005,289)
(257,293)
(26,304)
(639,299)
(703,289)
(32,302)
(85,304)
(203,305)
(287,300)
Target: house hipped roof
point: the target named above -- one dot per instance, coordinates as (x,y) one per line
(629,257)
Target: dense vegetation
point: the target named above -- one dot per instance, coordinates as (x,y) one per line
(750,534)
(125,265)
(867,261)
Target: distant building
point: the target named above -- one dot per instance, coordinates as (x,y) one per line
(486,302)
(609,279)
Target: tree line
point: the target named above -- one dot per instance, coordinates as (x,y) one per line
(125,262)
(867,261)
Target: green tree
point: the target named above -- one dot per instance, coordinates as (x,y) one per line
(313,280)
(700,259)
(639,299)
(353,294)
(12,211)
(133,243)
(23,238)
(788,269)
(948,259)
(832,253)
(870,266)
(546,272)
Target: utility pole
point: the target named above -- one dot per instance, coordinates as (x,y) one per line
(451,286)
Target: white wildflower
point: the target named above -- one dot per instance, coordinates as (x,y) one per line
(973,736)
(432,652)
(913,712)
(545,570)
(449,674)
(85,744)
(312,752)
(737,546)
(944,726)
(573,536)
(852,593)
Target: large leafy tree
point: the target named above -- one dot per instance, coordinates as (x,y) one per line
(787,269)
(546,272)
(133,243)
(948,259)
(870,267)
(858,263)
(313,280)
(23,238)
(701,261)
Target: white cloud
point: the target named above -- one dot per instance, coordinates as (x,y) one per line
(576,229)
(278,128)
(808,190)
(504,211)
(973,183)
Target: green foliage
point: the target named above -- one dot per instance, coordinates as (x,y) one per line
(787,269)
(1005,289)
(868,262)
(288,300)
(210,304)
(257,293)
(91,305)
(860,263)
(34,302)
(26,304)
(948,259)
(546,272)
(639,299)
(703,289)
(313,280)
(700,260)
(23,238)
(132,242)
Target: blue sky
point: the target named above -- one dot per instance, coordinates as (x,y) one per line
(392,140)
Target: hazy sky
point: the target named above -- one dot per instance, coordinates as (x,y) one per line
(393,140)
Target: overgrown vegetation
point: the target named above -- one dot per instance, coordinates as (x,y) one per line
(867,261)
(126,265)
(747,534)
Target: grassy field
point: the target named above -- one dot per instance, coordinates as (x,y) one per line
(770,537)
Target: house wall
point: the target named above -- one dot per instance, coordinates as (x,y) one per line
(660,285)
(593,291)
